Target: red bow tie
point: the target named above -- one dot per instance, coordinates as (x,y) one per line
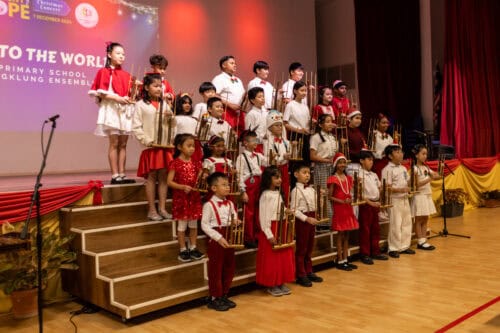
(234,79)
(306,185)
(262,82)
(253,155)
(278,140)
(220,121)
(223,203)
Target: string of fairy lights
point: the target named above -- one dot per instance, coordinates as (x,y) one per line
(134,9)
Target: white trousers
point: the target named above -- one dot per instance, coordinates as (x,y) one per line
(400,225)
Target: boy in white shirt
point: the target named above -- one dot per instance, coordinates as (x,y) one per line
(261,70)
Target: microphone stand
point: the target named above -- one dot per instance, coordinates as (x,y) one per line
(35,200)
(444,232)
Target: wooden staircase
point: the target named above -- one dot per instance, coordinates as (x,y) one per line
(129,266)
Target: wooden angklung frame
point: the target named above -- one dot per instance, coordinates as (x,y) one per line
(235,233)
(285,228)
(321,205)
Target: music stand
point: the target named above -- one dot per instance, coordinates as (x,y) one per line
(444,232)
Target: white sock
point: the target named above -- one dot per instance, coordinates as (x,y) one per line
(192,247)
(421,241)
(116,175)
(183,249)
(122,175)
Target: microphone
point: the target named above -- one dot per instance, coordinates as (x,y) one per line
(53,118)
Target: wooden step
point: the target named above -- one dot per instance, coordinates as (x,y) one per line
(128,236)
(91,217)
(112,194)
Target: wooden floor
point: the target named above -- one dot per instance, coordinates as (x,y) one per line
(420,293)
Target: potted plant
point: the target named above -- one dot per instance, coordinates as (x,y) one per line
(490,199)
(18,270)
(455,201)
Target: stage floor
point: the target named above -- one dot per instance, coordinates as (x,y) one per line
(26,183)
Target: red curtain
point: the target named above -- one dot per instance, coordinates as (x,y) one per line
(479,166)
(471,91)
(14,206)
(388,59)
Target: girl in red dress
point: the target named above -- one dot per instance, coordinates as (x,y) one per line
(324,106)
(183,175)
(153,162)
(343,220)
(274,267)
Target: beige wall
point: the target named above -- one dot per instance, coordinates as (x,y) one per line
(193,35)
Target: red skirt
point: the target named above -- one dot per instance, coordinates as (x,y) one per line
(274,267)
(153,159)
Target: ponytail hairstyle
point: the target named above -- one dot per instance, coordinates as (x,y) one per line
(109,48)
(181,99)
(321,120)
(297,86)
(322,91)
(207,147)
(179,141)
(148,80)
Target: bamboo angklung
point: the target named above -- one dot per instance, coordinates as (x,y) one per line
(285,227)
(296,143)
(396,135)
(357,195)
(413,178)
(385,195)
(342,135)
(159,133)
(201,184)
(203,129)
(372,135)
(321,205)
(235,232)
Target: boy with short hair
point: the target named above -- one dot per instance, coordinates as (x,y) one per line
(218,126)
(400,223)
(261,70)
(159,65)
(206,90)
(369,227)
(218,214)
(256,118)
(303,202)
(249,165)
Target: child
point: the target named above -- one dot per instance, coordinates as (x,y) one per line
(325,95)
(217,217)
(400,223)
(159,65)
(369,227)
(297,119)
(383,139)
(154,161)
(340,102)
(111,87)
(186,202)
(261,70)
(422,204)
(274,268)
(303,202)
(231,91)
(276,149)
(249,166)
(356,139)
(206,90)
(339,187)
(218,126)
(323,146)
(215,159)
(186,123)
(256,118)
(296,73)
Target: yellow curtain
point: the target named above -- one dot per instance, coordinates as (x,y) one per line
(471,182)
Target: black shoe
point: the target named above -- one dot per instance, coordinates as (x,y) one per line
(344,267)
(322,228)
(251,245)
(380,257)
(427,248)
(116,180)
(394,254)
(228,302)
(304,281)
(126,180)
(218,305)
(408,251)
(314,278)
(184,256)
(366,260)
(195,254)
(352,266)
